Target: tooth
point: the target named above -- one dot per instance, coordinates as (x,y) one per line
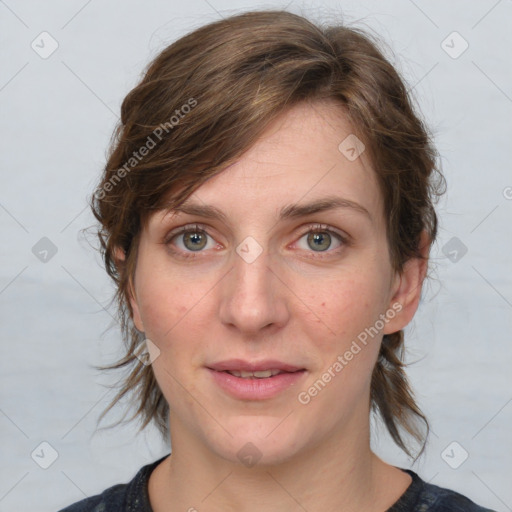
(263,374)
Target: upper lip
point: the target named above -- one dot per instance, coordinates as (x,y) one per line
(247,366)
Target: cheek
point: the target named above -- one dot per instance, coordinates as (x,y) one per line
(344,342)
(343,308)
(167,311)
(163,296)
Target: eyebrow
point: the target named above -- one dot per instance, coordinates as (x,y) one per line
(290,211)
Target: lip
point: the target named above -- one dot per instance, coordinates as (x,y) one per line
(240,364)
(255,388)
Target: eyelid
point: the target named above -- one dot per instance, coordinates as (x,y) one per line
(194,226)
(315,226)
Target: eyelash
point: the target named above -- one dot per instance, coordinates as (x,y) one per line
(313,228)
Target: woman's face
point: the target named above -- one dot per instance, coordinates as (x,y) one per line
(255,287)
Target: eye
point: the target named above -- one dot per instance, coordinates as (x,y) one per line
(190,239)
(320,238)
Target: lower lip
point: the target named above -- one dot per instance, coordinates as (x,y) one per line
(254,388)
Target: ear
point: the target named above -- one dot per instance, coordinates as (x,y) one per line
(120,256)
(407,288)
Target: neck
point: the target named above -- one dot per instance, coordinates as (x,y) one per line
(337,475)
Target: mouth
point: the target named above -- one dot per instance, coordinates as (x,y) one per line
(255,381)
(263,374)
(242,366)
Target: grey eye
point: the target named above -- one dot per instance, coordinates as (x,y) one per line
(319,241)
(195,240)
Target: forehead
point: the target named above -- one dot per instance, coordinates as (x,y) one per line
(308,153)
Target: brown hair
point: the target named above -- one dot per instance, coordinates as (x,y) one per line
(203,101)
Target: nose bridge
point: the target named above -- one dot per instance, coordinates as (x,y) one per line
(251,296)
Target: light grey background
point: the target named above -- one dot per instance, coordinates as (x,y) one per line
(57,117)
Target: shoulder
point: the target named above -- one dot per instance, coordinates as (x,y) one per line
(424,497)
(440,499)
(120,497)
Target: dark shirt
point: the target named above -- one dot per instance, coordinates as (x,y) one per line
(420,496)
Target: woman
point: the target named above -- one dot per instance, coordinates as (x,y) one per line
(267,214)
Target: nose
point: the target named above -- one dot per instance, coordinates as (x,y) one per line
(254,296)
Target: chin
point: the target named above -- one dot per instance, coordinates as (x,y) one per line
(259,441)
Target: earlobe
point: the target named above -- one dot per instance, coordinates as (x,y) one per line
(119,256)
(407,292)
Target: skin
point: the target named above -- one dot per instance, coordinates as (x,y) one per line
(294,303)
